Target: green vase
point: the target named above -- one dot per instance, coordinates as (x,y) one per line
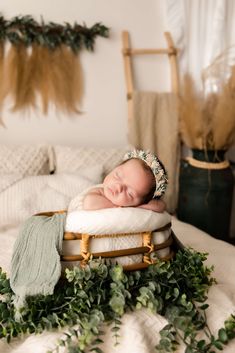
(205,195)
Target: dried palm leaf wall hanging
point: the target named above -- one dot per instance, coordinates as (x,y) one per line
(43,59)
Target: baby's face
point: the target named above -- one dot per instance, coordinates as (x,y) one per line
(127,184)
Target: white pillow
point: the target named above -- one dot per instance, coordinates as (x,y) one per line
(33,194)
(24,160)
(115,220)
(71,159)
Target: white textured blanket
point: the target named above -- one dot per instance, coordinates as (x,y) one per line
(8,180)
(21,197)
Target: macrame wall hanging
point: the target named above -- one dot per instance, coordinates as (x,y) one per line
(43,60)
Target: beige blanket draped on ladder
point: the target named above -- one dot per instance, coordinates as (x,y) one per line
(154,126)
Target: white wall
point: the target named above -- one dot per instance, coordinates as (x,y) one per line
(104,118)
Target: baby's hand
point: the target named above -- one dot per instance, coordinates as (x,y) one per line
(154,205)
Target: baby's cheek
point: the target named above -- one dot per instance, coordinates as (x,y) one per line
(121,201)
(135,202)
(130,203)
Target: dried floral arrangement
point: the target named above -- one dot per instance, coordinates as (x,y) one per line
(43,60)
(207,119)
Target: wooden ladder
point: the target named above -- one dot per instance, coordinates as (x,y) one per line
(128,52)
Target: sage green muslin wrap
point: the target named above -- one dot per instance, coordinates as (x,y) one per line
(35,264)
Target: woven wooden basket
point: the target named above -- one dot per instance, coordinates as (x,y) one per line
(146,250)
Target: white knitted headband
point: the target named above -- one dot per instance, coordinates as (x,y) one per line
(153,162)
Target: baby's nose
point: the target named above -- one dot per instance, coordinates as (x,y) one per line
(119,188)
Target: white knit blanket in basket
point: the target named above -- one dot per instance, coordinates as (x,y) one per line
(116,221)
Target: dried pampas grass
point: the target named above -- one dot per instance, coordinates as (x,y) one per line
(208,122)
(190,112)
(2,94)
(26,97)
(1,60)
(223,128)
(54,75)
(16,67)
(42,76)
(66,80)
(208,107)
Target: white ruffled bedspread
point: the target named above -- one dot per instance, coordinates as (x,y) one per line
(139,332)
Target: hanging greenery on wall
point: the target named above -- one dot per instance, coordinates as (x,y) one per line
(43,59)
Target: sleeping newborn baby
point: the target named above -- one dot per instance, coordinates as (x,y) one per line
(139,181)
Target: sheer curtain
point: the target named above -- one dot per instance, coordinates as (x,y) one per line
(201,29)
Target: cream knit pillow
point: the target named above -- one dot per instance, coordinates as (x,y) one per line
(24,160)
(73,159)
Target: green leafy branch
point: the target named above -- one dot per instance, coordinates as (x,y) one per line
(24,30)
(89,297)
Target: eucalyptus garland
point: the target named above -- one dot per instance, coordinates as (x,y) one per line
(25,30)
(91,296)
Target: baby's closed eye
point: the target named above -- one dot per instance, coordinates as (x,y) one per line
(130,194)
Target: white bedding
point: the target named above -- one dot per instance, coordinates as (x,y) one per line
(139,332)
